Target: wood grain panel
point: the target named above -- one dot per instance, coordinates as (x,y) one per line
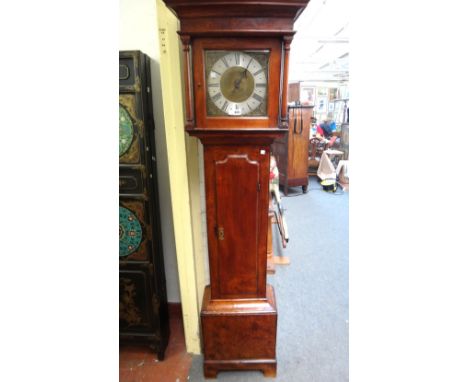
(236,179)
(292,151)
(237,191)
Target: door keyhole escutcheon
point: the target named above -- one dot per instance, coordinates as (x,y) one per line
(220,233)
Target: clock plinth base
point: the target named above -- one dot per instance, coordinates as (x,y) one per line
(239,334)
(268,367)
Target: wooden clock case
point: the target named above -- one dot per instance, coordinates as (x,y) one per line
(200,45)
(239,315)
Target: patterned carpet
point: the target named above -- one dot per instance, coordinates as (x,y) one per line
(311,292)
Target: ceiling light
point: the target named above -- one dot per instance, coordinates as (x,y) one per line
(334,41)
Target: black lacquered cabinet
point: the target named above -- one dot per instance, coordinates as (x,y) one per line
(143,311)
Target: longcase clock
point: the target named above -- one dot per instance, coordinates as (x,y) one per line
(143,310)
(236,64)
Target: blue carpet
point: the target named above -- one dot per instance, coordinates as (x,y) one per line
(311,292)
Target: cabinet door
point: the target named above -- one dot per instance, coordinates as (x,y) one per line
(135,301)
(238,186)
(298,150)
(131,130)
(134,230)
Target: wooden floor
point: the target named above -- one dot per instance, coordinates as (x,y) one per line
(139,363)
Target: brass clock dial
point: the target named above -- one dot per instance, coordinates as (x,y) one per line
(236,83)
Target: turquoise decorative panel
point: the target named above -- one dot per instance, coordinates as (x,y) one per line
(130,233)
(125,131)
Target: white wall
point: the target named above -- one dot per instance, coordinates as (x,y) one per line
(139,31)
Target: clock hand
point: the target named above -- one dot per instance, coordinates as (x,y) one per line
(237,83)
(239,80)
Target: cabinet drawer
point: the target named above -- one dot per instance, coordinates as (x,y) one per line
(131,181)
(126,71)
